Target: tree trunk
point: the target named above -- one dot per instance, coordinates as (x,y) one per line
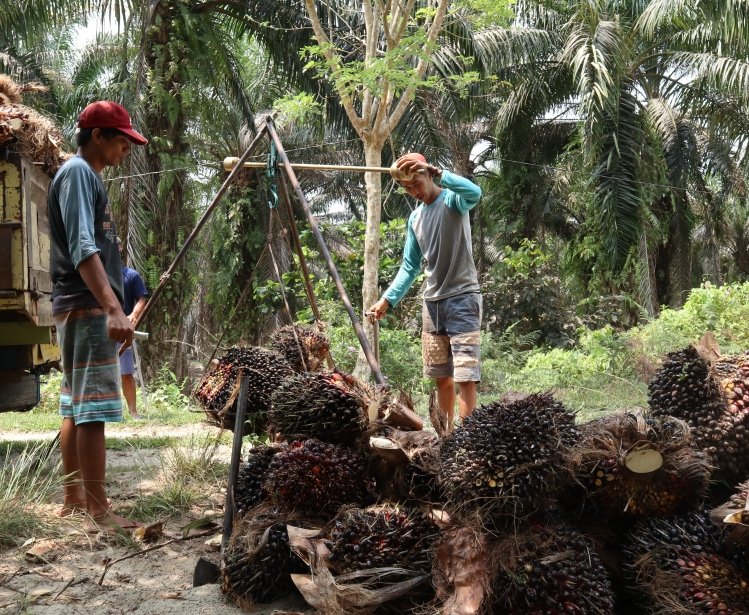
(680,265)
(370,288)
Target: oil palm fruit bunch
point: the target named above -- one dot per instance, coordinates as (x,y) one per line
(686,387)
(733,516)
(316,478)
(679,568)
(636,465)
(249,489)
(551,570)
(258,562)
(303,348)
(733,427)
(218,390)
(318,405)
(507,460)
(420,477)
(382,536)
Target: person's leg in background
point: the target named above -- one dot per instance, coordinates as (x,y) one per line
(127,369)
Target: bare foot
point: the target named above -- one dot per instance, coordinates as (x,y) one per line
(75,508)
(72,508)
(110,521)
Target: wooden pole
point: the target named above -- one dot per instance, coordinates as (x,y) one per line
(165,277)
(236,453)
(373,363)
(232,162)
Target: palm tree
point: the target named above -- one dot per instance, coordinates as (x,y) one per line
(643,82)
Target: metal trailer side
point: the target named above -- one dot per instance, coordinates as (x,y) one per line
(27,336)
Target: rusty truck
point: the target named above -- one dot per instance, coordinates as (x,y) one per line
(27,333)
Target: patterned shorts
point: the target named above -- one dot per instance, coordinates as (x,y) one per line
(90,388)
(451,338)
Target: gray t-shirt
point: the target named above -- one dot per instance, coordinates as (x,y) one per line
(81,225)
(440,233)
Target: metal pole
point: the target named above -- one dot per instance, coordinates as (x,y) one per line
(373,363)
(236,453)
(204,218)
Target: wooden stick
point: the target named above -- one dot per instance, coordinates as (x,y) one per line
(231,162)
(284,160)
(111,563)
(166,276)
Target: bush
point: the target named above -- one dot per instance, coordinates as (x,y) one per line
(524,291)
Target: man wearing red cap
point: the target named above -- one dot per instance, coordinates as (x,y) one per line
(439,232)
(87,305)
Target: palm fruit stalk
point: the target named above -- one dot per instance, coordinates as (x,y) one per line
(217,391)
(464,568)
(633,465)
(733,517)
(249,489)
(382,536)
(506,461)
(318,405)
(304,349)
(678,568)
(258,562)
(316,478)
(550,570)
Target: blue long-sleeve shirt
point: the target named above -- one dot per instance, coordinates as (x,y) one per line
(440,233)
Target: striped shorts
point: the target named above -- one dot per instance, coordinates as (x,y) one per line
(90,388)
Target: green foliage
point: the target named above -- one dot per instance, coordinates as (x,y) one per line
(528,294)
(298,108)
(165,395)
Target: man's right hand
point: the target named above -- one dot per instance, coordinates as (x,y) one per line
(379,308)
(119,327)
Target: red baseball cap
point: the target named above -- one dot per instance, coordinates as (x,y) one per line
(108,114)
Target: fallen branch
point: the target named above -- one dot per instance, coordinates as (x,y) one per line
(111,563)
(70,583)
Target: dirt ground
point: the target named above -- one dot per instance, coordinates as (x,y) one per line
(60,576)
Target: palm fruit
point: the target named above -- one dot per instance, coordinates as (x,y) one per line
(383,536)
(711,400)
(258,562)
(551,570)
(316,478)
(303,348)
(678,567)
(317,405)
(507,460)
(420,477)
(249,490)
(733,426)
(634,465)
(217,390)
(686,388)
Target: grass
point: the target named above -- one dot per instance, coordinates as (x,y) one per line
(189,473)
(167,406)
(27,481)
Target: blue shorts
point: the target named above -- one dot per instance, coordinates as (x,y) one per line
(127,361)
(451,338)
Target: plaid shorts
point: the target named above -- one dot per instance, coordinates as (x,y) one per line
(451,338)
(90,388)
